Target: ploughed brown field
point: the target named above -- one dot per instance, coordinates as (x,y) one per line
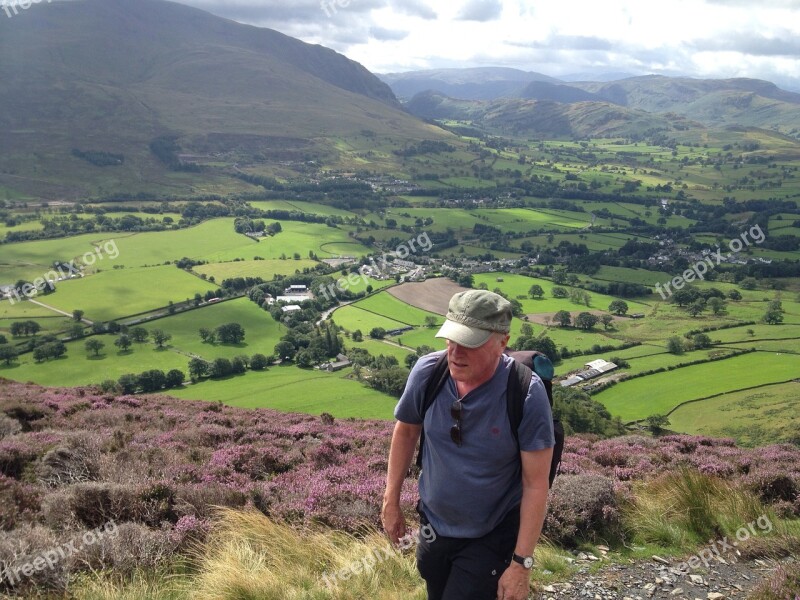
(432,294)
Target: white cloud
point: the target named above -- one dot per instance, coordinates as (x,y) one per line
(700,38)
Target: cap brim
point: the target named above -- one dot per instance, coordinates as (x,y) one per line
(469,337)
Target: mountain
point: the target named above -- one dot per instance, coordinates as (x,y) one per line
(524,117)
(112,76)
(714,102)
(482,83)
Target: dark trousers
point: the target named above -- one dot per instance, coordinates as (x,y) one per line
(467,568)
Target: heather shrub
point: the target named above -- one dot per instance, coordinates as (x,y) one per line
(19,502)
(95,504)
(582,508)
(25,414)
(8,426)
(15,455)
(127,548)
(66,465)
(200,500)
(20,547)
(773,486)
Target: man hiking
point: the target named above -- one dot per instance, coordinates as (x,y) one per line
(482,489)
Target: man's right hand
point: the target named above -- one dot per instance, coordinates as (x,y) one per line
(394,523)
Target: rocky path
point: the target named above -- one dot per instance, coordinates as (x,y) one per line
(658,578)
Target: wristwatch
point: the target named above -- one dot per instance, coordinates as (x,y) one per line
(525,561)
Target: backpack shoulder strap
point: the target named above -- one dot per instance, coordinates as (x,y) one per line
(436,380)
(519,381)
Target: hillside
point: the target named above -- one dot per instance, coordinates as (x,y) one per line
(223,93)
(481,83)
(709,102)
(148,474)
(522,117)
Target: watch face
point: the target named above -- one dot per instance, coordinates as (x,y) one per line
(528,562)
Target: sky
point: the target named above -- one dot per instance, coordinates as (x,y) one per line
(568,39)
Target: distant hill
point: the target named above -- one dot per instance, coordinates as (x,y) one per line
(482,83)
(111,76)
(711,102)
(546,117)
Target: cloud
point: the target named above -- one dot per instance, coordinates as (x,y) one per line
(782,45)
(379,33)
(481,10)
(415,8)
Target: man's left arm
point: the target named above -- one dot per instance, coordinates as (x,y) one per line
(514,583)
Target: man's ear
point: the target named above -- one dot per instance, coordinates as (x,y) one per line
(504,341)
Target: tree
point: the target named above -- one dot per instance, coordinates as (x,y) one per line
(358,336)
(161,337)
(773,317)
(748,283)
(77,315)
(8,353)
(675,345)
(221,367)
(123,342)
(75,331)
(430,322)
(657,423)
(151,381)
(536,291)
(559,292)
(198,368)
(174,378)
(606,320)
(128,383)
(95,345)
(113,327)
(377,333)
(208,336)
(516,307)
(526,330)
(618,307)
(701,341)
(285,350)
(735,295)
(230,333)
(544,345)
(239,364)
(586,320)
(717,305)
(563,318)
(560,277)
(258,362)
(139,335)
(697,307)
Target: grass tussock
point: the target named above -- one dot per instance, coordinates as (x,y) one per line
(250,557)
(684,509)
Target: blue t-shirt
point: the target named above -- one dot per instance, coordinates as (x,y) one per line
(466,491)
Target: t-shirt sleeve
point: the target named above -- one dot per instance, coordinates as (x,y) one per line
(536,429)
(409,407)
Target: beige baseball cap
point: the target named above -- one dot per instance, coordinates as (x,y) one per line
(473,316)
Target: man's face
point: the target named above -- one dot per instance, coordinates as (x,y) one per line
(475,365)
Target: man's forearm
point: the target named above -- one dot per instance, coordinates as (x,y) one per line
(532,513)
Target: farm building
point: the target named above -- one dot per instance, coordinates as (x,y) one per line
(593,369)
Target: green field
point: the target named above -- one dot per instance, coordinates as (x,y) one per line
(662,392)
(767,415)
(291,389)
(122,292)
(81,368)
(266,269)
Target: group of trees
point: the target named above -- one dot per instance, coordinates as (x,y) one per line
(229,333)
(148,381)
(200,368)
(24,328)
